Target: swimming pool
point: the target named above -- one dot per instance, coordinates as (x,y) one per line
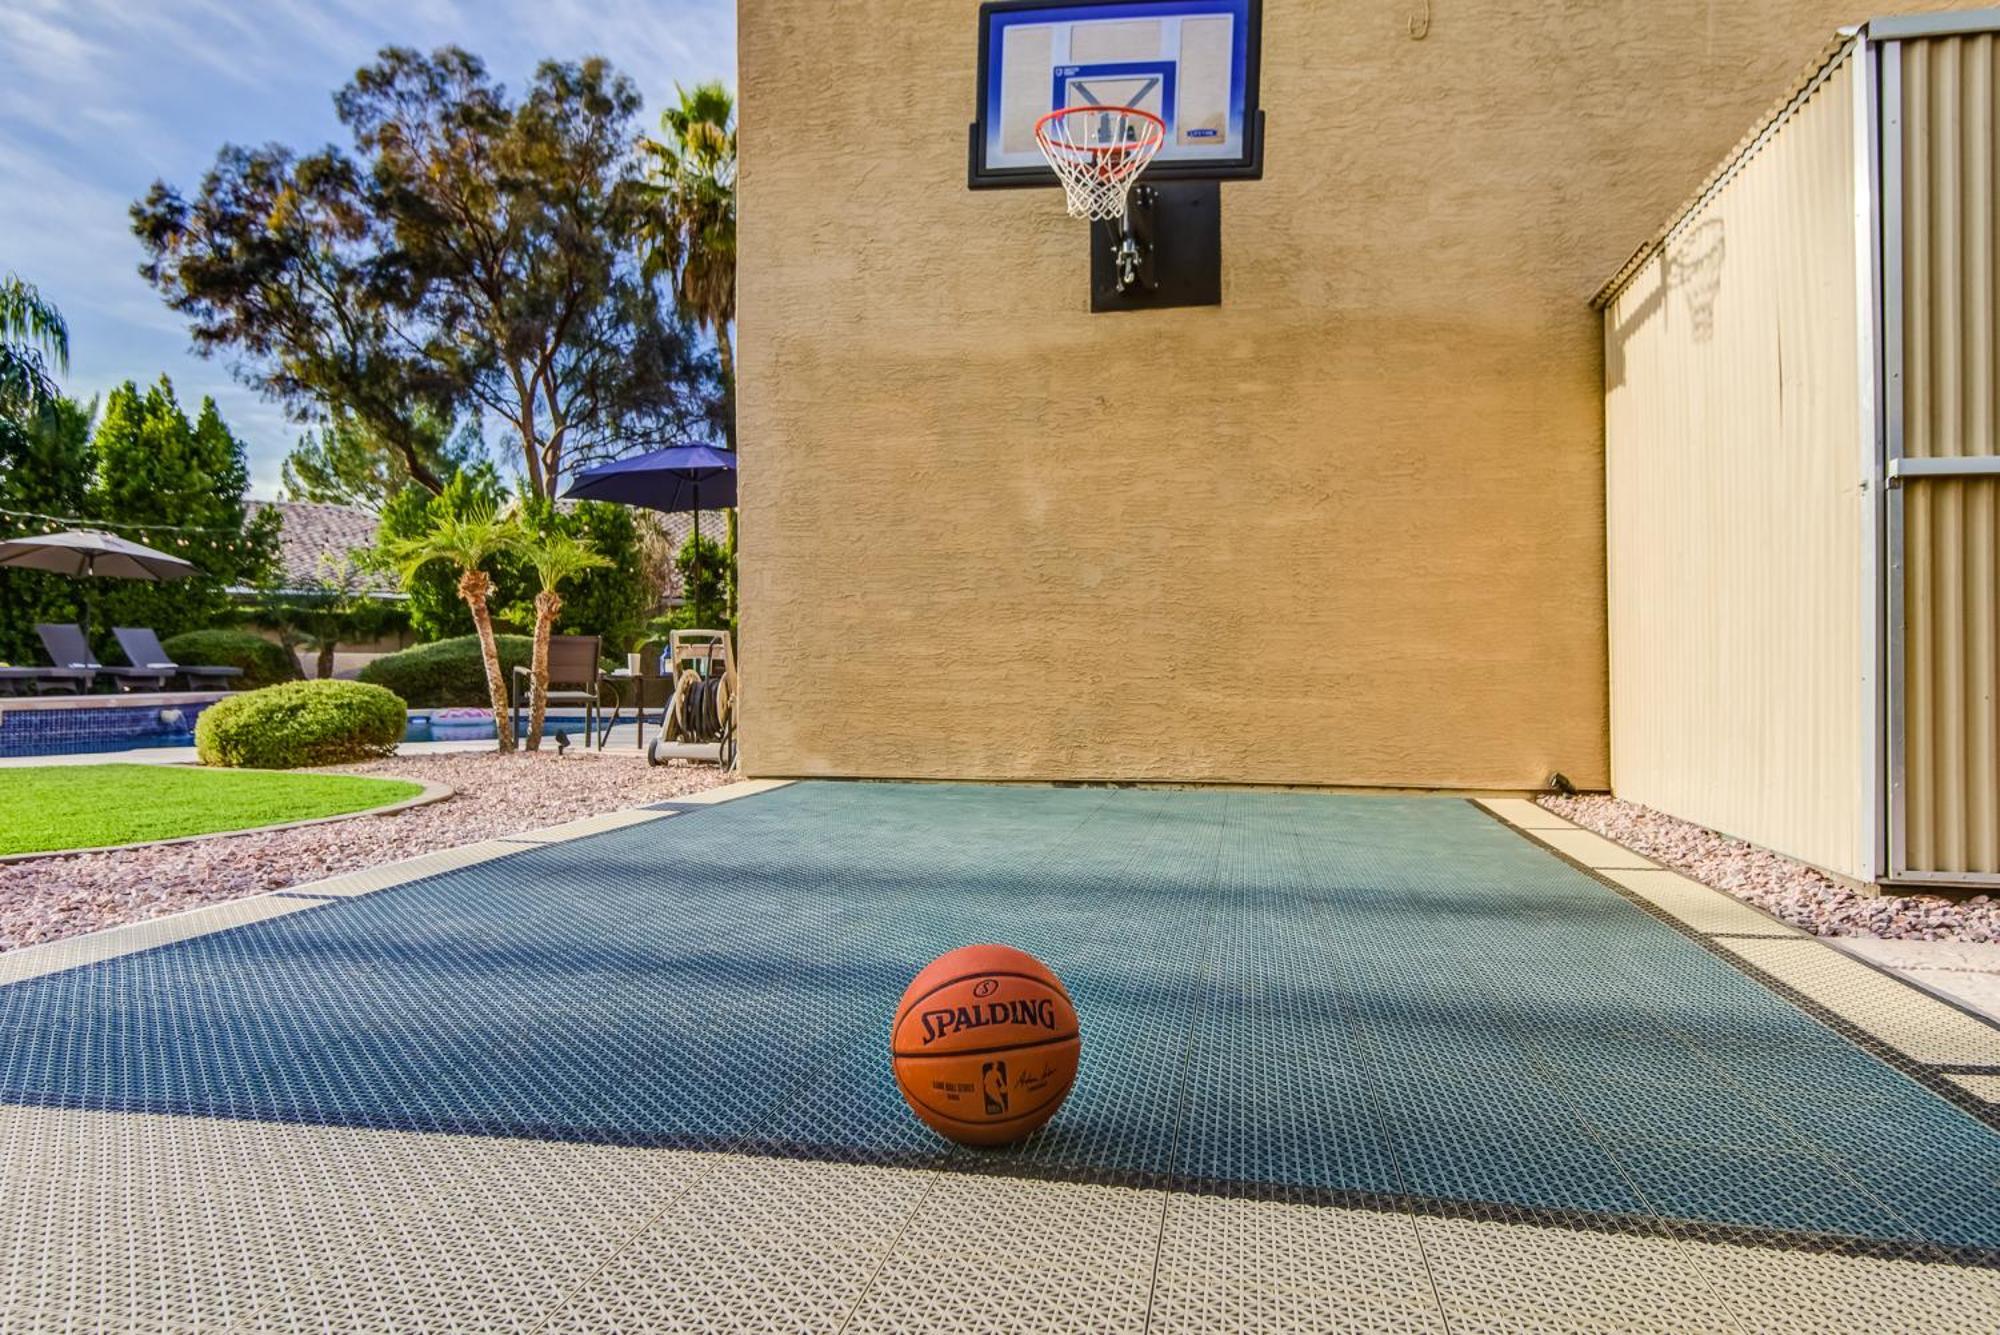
(86,725)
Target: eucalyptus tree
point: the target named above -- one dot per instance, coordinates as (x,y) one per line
(474,253)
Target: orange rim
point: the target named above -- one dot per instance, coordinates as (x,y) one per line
(1156,133)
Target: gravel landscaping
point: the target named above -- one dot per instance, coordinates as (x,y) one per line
(45,899)
(1778,885)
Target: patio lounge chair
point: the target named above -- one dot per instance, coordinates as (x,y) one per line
(573,669)
(142,649)
(43,680)
(67,648)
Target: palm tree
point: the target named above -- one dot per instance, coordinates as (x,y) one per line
(469,540)
(555,557)
(32,335)
(690,235)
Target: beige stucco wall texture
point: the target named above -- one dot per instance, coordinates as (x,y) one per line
(1346,528)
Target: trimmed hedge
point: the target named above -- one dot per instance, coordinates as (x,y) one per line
(446,672)
(263,663)
(300,723)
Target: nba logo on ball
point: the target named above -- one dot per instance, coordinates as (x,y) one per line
(985,1044)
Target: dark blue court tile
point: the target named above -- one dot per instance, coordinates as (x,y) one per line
(1713,1116)
(1906,1120)
(1840,1072)
(1473,1101)
(1795,1192)
(1652,1061)
(1952,1198)
(1537,1168)
(1301,1124)
(848,1109)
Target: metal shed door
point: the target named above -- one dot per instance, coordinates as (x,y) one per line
(1941,296)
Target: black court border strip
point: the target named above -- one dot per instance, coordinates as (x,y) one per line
(1931,1077)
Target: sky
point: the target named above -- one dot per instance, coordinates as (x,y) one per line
(99,98)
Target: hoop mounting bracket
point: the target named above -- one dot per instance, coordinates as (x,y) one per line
(1167,251)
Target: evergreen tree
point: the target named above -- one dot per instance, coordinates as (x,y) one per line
(345,462)
(159,476)
(46,462)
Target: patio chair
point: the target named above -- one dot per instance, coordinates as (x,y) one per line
(43,680)
(66,648)
(143,650)
(573,671)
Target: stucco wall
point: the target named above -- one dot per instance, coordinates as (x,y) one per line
(1345,529)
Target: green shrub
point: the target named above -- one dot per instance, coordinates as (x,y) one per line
(300,723)
(446,672)
(263,663)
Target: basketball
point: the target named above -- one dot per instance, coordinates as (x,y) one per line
(985,1044)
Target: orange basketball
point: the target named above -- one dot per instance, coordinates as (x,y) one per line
(985,1044)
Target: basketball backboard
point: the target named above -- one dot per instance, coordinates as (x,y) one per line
(1192,63)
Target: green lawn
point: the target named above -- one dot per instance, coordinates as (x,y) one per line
(46,808)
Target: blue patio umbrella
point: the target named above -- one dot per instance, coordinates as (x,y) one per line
(679,478)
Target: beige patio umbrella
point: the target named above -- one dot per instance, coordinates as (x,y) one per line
(81,553)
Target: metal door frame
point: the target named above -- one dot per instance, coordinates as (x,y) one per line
(1890,468)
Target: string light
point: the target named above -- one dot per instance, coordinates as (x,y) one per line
(148,533)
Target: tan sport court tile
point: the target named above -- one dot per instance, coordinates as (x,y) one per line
(1980,1086)
(729,792)
(506,1230)
(1524,814)
(1799,1293)
(1246,1265)
(1495,1276)
(1699,907)
(1910,1021)
(992,1254)
(587,825)
(1592,850)
(755,1244)
(367,880)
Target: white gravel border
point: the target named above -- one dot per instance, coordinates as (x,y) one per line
(63,895)
(1787,889)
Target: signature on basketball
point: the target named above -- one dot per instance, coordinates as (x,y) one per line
(958,1019)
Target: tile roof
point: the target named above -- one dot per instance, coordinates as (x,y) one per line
(316,533)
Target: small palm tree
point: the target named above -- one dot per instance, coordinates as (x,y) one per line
(469,540)
(32,335)
(555,557)
(690,232)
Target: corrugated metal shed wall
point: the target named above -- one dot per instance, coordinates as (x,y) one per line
(1951,578)
(1734,448)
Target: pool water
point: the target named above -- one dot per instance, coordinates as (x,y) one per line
(424,727)
(117,726)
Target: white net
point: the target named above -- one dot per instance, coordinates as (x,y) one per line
(1097,153)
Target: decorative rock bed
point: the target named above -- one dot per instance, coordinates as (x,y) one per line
(48,898)
(1790,890)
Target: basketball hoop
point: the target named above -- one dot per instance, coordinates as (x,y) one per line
(1097,153)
